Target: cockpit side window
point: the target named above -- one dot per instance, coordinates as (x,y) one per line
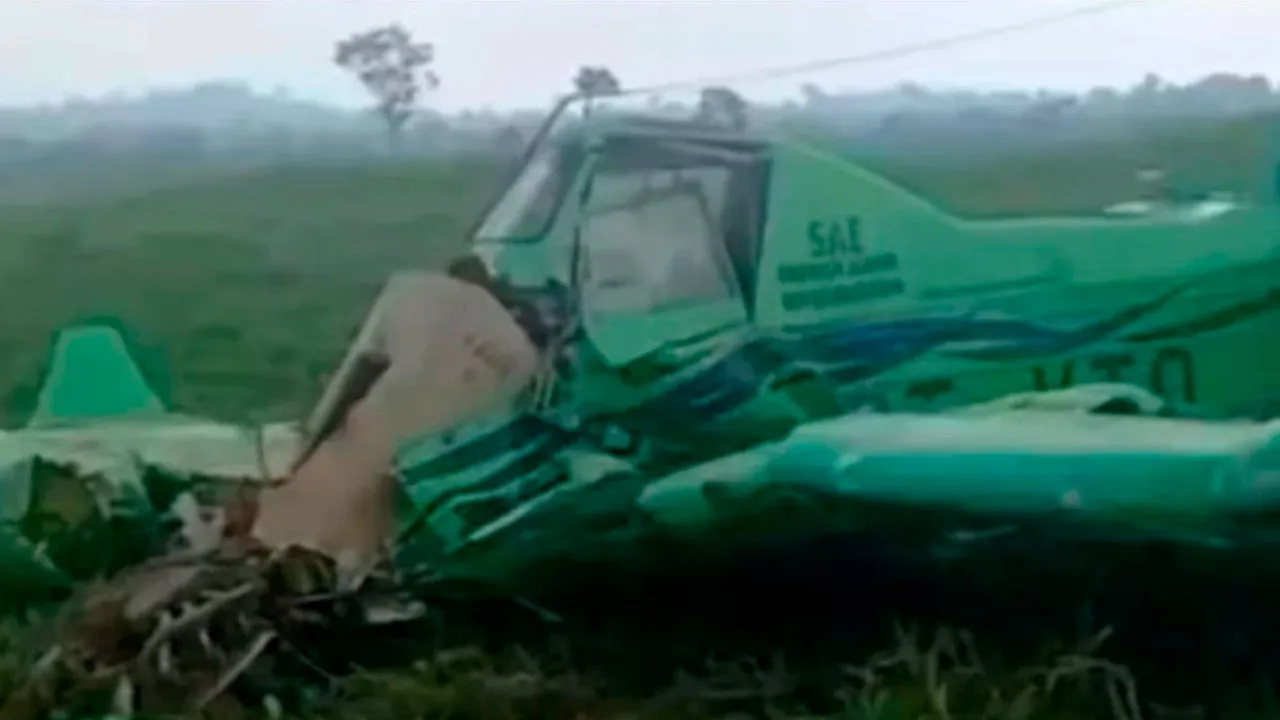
(654,239)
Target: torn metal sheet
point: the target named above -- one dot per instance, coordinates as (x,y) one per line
(177,445)
(77,502)
(1104,398)
(452,352)
(73,523)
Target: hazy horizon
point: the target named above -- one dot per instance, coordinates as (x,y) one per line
(504,54)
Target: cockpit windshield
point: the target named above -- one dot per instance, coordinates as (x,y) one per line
(671,195)
(529,205)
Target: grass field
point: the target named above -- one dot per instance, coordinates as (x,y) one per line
(245,289)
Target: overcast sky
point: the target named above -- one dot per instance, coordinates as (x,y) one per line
(503,53)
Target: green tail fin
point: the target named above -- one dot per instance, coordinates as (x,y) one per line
(92,376)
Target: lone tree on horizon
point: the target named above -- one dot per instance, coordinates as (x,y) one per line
(593,82)
(393,68)
(722,106)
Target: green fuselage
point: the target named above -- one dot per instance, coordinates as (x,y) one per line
(712,294)
(812,277)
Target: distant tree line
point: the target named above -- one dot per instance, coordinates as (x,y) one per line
(228,123)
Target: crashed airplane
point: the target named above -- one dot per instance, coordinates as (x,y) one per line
(664,325)
(678,342)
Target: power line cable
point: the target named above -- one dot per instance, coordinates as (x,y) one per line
(915,48)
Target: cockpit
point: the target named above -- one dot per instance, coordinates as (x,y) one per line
(651,218)
(667,209)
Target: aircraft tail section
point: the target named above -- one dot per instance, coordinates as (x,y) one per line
(91,375)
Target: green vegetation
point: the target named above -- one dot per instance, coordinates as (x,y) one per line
(1237,157)
(920,675)
(247,287)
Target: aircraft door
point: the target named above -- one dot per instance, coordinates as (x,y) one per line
(653,266)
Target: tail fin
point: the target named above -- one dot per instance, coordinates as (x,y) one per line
(91,375)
